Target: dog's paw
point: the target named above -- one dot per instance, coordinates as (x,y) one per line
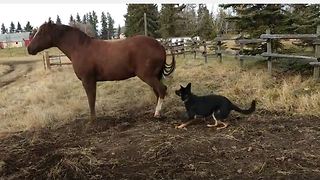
(210,125)
(182,126)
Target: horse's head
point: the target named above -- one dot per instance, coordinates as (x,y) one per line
(42,39)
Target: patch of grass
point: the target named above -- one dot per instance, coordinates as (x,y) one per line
(22,51)
(51,98)
(13,52)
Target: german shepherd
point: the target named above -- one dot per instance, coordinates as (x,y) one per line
(219,107)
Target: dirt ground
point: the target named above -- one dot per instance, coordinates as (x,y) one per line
(134,145)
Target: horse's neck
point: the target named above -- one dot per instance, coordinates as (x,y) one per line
(69,44)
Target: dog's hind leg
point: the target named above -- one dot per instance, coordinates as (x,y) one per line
(215,122)
(224,125)
(221,115)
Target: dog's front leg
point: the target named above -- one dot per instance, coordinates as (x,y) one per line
(192,118)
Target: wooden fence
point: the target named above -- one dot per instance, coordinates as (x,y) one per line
(205,48)
(268,37)
(53,60)
(217,44)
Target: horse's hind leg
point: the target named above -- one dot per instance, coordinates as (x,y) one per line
(160,91)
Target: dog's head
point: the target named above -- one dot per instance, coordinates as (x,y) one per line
(184,92)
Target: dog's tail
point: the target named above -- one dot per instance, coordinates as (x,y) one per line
(246,111)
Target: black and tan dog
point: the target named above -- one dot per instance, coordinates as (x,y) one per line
(219,107)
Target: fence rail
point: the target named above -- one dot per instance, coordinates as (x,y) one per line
(53,60)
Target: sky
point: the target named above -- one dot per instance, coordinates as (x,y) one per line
(38,13)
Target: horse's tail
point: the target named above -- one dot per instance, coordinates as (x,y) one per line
(169,68)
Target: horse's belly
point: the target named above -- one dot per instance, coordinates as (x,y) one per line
(114,76)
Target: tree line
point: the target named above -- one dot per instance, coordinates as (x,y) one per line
(250,19)
(18,28)
(88,23)
(173,20)
(177,20)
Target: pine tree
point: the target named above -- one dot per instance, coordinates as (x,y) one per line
(19,29)
(49,19)
(28,27)
(95,22)
(71,20)
(78,19)
(104,26)
(134,19)
(305,18)
(205,23)
(253,19)
(84,19)
(12,28)
(110,29)
(3,29)
(58,21)
(170,15)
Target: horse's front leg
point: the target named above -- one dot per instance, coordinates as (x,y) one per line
(90,85)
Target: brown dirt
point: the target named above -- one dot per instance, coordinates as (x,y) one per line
(16,70)
(136,146)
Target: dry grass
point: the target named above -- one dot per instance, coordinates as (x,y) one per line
(53,98)
(4,69)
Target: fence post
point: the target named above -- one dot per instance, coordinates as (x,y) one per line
(239,54)
(268,31)
(205,51)
(47,60)
(194,49)
(219,43)
(316,69)
(145,24)
(184,50)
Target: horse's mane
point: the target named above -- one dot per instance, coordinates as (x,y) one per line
(83,37)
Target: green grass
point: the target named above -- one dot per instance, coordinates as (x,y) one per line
(13,52)
(22,51)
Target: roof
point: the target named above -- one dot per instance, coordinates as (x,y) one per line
(14,37)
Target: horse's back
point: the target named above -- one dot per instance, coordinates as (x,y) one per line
(147,46)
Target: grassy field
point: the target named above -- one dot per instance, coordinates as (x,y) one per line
(21,52)
(13,52)
(49,98)
(45,134)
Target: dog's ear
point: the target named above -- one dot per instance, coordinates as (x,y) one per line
(188,86)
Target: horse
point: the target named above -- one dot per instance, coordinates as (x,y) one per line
(98,60)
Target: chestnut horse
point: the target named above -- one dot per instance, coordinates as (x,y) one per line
(97,60)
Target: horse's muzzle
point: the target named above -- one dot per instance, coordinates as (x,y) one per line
(31,51)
